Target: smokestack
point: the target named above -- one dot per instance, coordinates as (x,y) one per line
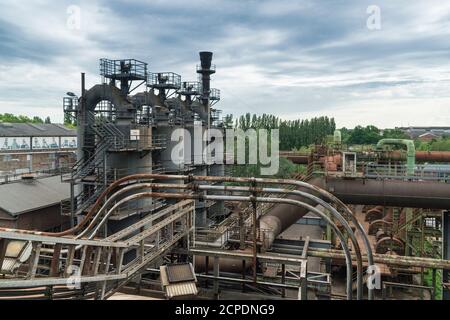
(206,71)
(205,59)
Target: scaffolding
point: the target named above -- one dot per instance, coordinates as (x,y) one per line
(164,80)
(126,69)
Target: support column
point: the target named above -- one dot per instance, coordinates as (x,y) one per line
(216,278)
(446,253)
(303,290)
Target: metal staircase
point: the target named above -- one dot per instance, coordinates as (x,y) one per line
(92,171)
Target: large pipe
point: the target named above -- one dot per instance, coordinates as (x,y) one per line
(421,156)
(395,193)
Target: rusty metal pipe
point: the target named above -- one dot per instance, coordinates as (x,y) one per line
(281,219)
(394,193)
(317,200)
(269,200)
(259,199)
(421,156)
(217,179)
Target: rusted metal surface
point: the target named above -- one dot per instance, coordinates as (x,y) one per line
(374,214)
(393,260)
(388,244)
(421,156)
(376,225)
(395,193)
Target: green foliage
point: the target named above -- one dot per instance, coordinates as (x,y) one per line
(394,134)
(294,134)
(369,135)
(286,170)
(363,135)
(434,145)
(9,117)
(428,279)
(228,121)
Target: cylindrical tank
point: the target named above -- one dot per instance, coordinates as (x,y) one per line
(337,136)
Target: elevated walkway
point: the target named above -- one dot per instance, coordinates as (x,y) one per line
(49,267)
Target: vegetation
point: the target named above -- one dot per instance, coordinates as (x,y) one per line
(434,145)
(369,135)
(8,117)
(294,134)
(286,170)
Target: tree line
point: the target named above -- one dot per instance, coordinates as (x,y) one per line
(294,134)
(11,118)
(369,135)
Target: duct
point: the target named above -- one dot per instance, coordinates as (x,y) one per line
(410,153)
(421,156)
(91,98)
(283,216)
(227,264)
(111,93)
(395,193)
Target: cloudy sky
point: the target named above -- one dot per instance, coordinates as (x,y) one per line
(295,59)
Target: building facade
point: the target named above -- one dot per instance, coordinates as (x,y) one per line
(29,147)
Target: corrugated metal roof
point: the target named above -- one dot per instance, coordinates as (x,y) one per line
(20,197)
(179,273)
(9,265)
(34,130)
(181,289)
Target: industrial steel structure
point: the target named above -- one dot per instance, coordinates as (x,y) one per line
(142,219)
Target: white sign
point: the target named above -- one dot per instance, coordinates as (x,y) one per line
(45,143)
(68,142)
(134,134)
(14,143)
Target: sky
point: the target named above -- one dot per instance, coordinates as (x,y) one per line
(388,66)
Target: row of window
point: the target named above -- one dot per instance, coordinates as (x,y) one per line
(37,143)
